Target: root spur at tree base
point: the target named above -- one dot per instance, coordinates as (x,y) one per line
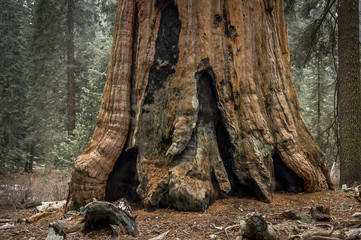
(202,96)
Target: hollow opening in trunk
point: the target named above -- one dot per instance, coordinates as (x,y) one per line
(286,179)
(123,180)
(209,112)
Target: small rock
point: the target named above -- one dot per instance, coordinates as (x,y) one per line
(356,214)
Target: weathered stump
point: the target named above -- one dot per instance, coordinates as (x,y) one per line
(93,216)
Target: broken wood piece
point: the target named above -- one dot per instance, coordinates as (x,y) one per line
(323,238)
(52,235)
(229,228)
(117,230)
(357,193)
(163,235)
(100,213)
(354,234)
(324,234)
(74,223)
(51,206)
(7,226)
(5,220)
(216,227)
(36,217)
(356,214)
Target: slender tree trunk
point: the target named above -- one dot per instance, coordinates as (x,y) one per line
(47,147)
(349,91)
(70,70)
(318,136)
(198,103)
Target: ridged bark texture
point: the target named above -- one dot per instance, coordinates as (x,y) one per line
(213,106)
(349,92)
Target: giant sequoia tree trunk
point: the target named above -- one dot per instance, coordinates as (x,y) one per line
(198,103)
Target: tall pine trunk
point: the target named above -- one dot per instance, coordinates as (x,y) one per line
(349,92)
(198,103)
(70,70)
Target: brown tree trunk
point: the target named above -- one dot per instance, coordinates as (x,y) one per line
(199,101)
(349,92)
(70,70)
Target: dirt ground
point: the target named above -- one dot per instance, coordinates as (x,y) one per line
(194,225)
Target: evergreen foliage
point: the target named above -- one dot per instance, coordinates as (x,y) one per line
(47,89)
(33,79)
(313,45)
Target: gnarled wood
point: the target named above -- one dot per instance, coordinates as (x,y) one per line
(213,104)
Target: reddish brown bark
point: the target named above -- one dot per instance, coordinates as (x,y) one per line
(214,108)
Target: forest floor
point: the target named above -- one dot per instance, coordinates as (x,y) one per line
(207,225)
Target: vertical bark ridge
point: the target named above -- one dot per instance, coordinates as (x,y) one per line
(93,166)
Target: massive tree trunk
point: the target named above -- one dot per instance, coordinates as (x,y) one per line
(198,104)
(349,91)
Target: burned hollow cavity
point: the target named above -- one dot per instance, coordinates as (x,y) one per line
(166,51)
(123,180)
(286,180)
(210,115)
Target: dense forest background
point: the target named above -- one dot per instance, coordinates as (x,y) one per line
(54,59)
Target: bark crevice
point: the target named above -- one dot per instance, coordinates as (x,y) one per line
(123,180)
(286,179)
